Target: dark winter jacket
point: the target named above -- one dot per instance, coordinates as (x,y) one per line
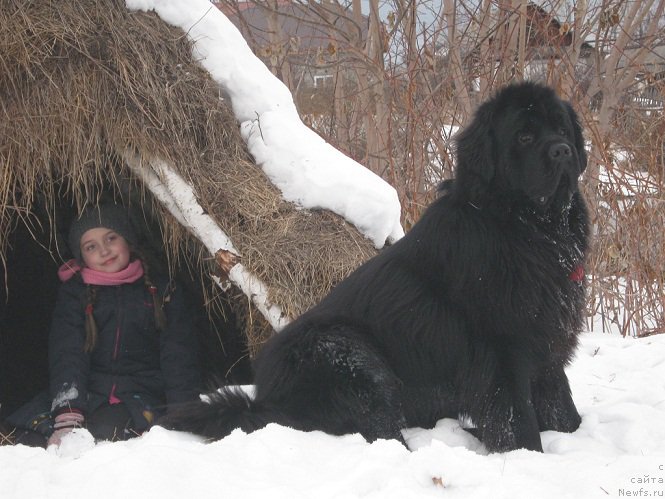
(131,361)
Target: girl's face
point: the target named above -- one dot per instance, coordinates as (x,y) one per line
(104,250)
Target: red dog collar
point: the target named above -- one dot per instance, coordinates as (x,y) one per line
(577,275)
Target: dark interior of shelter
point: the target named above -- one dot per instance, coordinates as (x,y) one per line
(28,290)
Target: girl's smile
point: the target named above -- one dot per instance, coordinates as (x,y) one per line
(104,250)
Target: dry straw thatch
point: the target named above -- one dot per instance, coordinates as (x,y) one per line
(81,81)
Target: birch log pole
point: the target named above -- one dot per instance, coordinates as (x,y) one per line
(178,197)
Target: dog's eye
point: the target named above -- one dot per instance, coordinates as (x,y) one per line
(563,132)
(524,138)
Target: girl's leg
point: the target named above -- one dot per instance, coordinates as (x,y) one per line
(32,423)
(111,422)
(30,438)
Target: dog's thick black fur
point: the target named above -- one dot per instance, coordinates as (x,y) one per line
(475,312)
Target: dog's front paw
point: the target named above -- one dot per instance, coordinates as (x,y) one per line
(565,420)
(507,436)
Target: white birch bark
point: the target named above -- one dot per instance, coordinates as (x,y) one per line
(179,198)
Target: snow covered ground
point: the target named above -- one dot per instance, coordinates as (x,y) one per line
(619,451)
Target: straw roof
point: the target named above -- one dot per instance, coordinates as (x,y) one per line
(83,81)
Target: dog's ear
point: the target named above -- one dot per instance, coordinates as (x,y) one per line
(475,154)
(579,138)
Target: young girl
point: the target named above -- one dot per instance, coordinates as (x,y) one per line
(121,345)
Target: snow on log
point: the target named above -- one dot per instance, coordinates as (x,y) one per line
(178,197)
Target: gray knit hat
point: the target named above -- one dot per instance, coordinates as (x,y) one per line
(110,216)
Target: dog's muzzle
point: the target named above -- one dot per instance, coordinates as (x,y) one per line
(560,152)
(564,168)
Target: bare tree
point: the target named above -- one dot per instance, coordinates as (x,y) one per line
(405,73)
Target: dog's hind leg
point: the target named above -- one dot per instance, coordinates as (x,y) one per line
(333,380)
(360,388)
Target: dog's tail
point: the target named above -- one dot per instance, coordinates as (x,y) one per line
(227,409)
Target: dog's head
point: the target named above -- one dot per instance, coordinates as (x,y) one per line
(525,144)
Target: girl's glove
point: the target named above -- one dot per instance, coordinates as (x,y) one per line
(64,424)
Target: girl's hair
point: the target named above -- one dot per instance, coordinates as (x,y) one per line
(91,296)
(90,325)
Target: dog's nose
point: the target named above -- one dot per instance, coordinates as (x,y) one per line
(559,151)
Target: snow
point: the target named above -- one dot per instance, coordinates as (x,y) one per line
(618,385)
(624,180)
(308,171)
(61,399)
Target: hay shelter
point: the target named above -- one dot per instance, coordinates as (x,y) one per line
(91,94)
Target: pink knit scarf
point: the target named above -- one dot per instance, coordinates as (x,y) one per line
(131,273)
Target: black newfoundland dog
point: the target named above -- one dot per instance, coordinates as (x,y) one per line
(474,313)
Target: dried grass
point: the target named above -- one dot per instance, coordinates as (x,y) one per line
(83,80)
(628,259)
(6,438)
